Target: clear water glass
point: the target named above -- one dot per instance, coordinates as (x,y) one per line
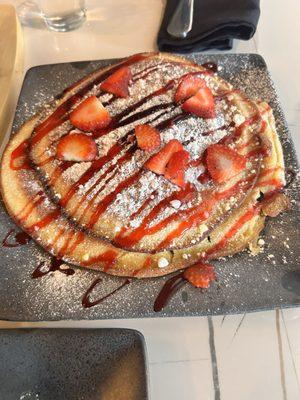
(63,15)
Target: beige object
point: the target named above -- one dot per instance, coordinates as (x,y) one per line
(11,63)
(27,202)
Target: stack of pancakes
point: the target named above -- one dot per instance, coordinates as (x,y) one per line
(113,214)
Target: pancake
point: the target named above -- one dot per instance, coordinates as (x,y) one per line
(111,212)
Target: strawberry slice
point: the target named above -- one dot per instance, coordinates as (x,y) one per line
(90,115)
(76,147)
(158,162)
(118,82)
(200,275)
(178,180)
(148,138)
(188,87)
(201,104)
(176,167)
(223,163)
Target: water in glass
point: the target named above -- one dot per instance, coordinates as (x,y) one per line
(63,15)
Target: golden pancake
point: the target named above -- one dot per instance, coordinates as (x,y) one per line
(109,210)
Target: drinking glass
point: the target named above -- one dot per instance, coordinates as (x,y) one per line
(63,15)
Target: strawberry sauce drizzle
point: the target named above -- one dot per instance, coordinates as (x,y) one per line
(192,217)
(59,116)
(107,200)
(44,221)
(254,210)
(19,159)
(189,217)
(109,258)
(30,205)
(136,235)
(104,203)
(76,243)
(173,284)
(113,168)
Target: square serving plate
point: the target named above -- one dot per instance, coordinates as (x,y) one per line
(246,283)
(72,364)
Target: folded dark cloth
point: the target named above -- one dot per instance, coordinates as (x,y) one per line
(215,24)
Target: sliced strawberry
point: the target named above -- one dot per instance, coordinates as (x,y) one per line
(200,275)
(178,162)
(179,179)
(158,162)
(90,115)
(189,85)
(201,104)
(117,83)
(76,147)
(176,167)
(223,163)
(148,138)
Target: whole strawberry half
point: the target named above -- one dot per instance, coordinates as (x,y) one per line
(200,275)
(118,82)
(90,115)
(201,104)
(223,163)
(76,147)
(188,87)
(148,138)
(159,161)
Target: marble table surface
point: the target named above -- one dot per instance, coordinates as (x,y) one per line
(238,357)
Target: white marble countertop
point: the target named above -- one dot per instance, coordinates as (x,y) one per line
(239,357)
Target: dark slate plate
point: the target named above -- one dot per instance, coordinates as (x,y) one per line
(246,283)
(72,364)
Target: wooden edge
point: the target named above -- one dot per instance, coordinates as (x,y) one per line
(11,67)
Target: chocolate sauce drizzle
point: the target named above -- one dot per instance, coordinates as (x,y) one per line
(55,265)
(171,286)
(211,66)
(87,303)
(20,239)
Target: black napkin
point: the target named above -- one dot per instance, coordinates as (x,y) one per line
(215,24)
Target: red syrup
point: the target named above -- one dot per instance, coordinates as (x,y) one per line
(19,239)
(104,203)
(87,302)
(55,265)
(173,284)
(44,221)
(18,158)
(136,235)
